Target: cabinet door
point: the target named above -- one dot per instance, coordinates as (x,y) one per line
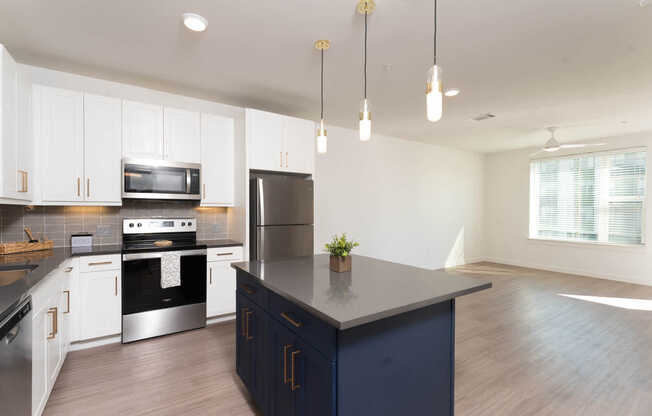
(217,160)
(142,130)
(40,323)
(65,327)
(9,124)
(62,144)
(265,140)
(220,299)
(26,149)
(299,145)
(101,304)
(181,136)
(103,149)
(282,342)
(243,360)
(315,377)
(54,348)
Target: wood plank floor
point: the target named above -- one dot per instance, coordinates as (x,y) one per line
(521,349)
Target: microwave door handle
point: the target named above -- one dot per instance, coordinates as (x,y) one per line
(188,181)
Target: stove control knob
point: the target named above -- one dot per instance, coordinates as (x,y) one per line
(131,225)
(189,224)
(183,224)
(140,225)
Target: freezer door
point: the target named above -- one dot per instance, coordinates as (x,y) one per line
(283,200)
(284,241)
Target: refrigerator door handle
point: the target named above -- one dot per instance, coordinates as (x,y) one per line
(261,201)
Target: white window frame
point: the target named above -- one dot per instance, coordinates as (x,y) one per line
(604,198)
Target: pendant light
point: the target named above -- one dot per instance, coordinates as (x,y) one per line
(322,138)
(365,7)
(434,97)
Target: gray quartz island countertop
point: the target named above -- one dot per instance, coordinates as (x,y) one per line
(372,290)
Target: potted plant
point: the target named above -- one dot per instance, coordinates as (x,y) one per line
(340,251)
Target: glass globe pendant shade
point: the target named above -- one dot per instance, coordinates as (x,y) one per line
(434,96)
(365,121)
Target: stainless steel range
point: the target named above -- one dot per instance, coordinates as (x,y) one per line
(152,304)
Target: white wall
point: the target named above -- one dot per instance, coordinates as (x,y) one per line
(404,201)
(507,183)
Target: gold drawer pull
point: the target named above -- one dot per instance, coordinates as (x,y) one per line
(67,292)
(248,289)
(247,315)
(225,254)
(244,327)
(67,269)
(290,320)
(55,324)
(100,263)
(293,386)
(285,363)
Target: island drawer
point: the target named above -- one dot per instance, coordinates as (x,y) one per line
(252,289)
(313,330)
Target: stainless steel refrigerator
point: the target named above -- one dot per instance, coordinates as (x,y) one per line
(281,216)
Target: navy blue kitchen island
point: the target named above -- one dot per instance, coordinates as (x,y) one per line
(379,340)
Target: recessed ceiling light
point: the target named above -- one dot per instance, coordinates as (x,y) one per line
(644,3)
(452,92)
(194,22)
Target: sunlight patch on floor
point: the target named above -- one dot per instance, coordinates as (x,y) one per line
(624,303)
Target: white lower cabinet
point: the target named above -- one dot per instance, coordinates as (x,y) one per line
(50,336)
(220,280)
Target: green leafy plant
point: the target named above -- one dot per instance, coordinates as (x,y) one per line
(340,246)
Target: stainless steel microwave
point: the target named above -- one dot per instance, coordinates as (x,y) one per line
(160,179)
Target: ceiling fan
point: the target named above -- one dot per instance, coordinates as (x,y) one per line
(552,145)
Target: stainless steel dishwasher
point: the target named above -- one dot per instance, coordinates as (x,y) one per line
(16,360)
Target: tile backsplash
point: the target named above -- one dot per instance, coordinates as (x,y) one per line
(105,223)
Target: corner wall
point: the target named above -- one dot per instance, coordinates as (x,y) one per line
(403,201)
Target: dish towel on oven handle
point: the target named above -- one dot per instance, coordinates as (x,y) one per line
(170,270)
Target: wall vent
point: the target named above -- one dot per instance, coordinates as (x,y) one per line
(482,117)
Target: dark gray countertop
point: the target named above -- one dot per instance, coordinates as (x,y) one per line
(373,290)
(47,261)
(219,243)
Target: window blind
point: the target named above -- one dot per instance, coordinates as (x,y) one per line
(592,197)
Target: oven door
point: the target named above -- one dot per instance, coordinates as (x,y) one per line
(141,281)
(158,179)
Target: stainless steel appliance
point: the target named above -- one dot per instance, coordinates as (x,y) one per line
(281,216)
(160,179)
(16,360)
(149,310)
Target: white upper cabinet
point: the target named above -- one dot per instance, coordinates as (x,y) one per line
(265,140)
(61,130)
(217,160)
(102,149)
(181,136)
(299,145)
(142,130)
(280,143)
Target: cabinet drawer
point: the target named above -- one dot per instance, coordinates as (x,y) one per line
(316,332)
(249,287)
(100,263)
(225,254)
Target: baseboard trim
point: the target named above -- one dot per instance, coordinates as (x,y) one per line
(568,270)
(97,342)
(220,319)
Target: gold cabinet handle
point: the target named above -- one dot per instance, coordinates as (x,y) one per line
(225,254)
(55,324)
(23,181)
(67,292)
(78,186)
(294,386)
(244,330)
(26,181)
(248,290)
(88,187)
(116,285)
(100,263)
(204,191)
(280,154)
(247,315)
(290,320)
(285,364)
(67,269)
(210,275)
(286,159)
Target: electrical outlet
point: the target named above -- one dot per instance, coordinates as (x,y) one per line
(104,230)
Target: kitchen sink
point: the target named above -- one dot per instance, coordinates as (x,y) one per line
(10,274)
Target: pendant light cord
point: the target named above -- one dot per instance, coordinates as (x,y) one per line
(365,55)
(322,84)
(434,54)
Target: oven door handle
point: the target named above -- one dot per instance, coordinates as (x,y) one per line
(159,254)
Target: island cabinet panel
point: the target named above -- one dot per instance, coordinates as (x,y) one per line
(410,355)
(251,348)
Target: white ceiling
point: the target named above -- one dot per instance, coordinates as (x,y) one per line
(583,64)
